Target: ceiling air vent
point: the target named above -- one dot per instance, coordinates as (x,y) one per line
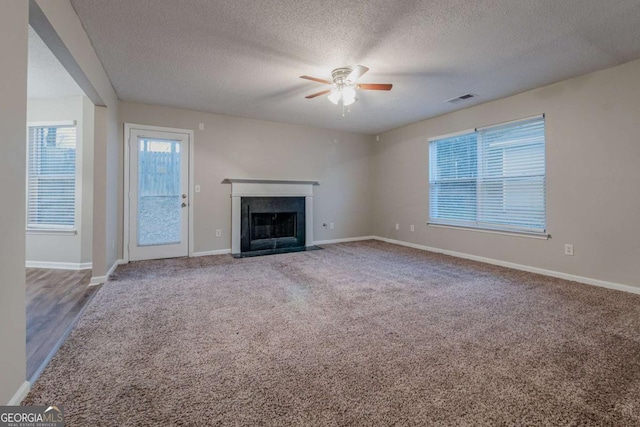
(461,98)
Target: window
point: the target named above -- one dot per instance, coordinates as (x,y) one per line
(490,178)
(51,180)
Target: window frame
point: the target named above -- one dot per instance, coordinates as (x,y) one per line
(477,225)
(53,229)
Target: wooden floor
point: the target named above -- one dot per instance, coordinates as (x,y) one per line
(54,299)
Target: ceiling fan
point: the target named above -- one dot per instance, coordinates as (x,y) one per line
(345,85)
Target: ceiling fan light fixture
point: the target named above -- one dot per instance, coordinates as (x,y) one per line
(335,96)
(344,85)
(349,95)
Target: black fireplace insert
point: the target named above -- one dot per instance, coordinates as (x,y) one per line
(272,224)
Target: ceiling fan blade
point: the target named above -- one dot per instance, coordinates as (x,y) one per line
(375,86)
(315,79)
(357,72)
(318,94)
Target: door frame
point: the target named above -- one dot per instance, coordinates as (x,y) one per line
(127,171)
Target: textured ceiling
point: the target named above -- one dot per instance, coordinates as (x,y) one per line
(47,78)
(243,57)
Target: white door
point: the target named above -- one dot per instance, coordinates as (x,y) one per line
(158,194)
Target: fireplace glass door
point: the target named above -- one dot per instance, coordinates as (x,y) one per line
(272,223)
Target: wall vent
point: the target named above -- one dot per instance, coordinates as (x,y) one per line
(461,98)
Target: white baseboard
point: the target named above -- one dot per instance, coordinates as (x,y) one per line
(215,252)
(59,265)
(542,271)
(20,394)
(97,280)
(347,239)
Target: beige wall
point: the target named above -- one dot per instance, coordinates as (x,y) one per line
(86,205)
(73,249)
(111,214)
(13,117)
(231,147)
(593,178)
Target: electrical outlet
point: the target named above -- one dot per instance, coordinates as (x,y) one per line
(197,188)
(413,227)
(568,249)
(201,126)
(218,233)
(397,226)
(331,225)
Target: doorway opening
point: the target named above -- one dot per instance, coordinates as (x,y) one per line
(59,203)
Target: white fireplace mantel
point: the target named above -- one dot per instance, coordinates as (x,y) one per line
(241,187)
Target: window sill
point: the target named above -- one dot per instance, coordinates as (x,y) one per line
(492,231)
(52,231)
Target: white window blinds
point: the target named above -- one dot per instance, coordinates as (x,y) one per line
(492,178)
(51,180)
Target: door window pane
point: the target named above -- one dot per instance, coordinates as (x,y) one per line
(159,197)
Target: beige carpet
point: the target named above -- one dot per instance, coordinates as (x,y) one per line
(363,333)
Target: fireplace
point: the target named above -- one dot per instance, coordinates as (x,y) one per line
(271,223)
(270,216)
